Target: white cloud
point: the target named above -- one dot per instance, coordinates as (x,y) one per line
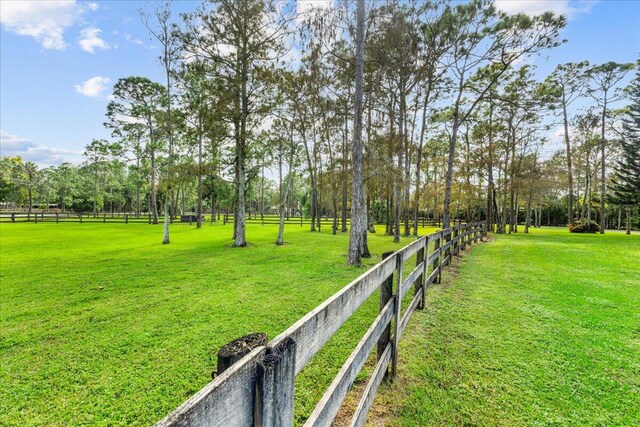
(14,145)
(568,8)
(93,6)
(45,21)
(128,37)
(90,40)
(93,87)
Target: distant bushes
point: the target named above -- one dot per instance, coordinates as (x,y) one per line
(584,227)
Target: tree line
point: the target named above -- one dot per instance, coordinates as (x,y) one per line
(401,110)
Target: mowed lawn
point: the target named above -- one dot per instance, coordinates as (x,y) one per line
(538,329)
(100,324)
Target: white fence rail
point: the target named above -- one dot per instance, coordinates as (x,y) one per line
(259,389)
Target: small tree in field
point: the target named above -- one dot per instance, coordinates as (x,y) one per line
(604,78)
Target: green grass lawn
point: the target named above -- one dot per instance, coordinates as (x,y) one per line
(100,324)
(539,329)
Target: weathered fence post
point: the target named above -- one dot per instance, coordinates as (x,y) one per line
(456,240)
(465,240)
(13,217)
(275,386)
(420,257)
(425,271)
(80,216)
(126,218)
(149,217)
(235,350)
(35,217)
(436,262)
(476,232)
(57,218)
(386,293)
(104,217)
(398,306)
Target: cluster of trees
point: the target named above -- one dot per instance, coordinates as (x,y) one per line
(404,108)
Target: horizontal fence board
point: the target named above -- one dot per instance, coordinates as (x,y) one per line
(434,255)
(226,401)
(413,276)
(412,307)
(360,416)
(412,248)
(327,408)
(431,278)
(316,328)
(233,399)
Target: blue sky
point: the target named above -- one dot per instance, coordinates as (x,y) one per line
(58,61)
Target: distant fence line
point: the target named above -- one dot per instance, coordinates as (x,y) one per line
(190,217)
(258,390)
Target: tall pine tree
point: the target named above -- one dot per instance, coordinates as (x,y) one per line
(626,183)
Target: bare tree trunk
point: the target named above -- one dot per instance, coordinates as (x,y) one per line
(138,187)
(527,223)
(449,178)
(154,202)
(619,217)
(603,182)
(569,167)
(398,189)
(628,220)
(358,231)
(199,204)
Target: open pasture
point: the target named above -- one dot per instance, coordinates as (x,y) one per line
(102,325)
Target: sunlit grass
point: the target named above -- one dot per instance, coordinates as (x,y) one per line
(539,329)
(100,324)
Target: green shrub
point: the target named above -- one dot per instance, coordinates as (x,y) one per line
(584,227)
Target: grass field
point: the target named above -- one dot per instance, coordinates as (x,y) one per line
(102,325)
(539,329)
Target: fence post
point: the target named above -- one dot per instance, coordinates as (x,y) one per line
(386,293)
(398,306)
(104,217)
(80,216)
(420,257)
(466,237)
(149,217)
(456,240)
(425,271)
(126,218)
(476,232)
(35,217)
(436,262)
(13,217)
(275,386)
(57,218)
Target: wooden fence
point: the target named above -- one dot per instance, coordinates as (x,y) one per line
(259,389)
(58,217)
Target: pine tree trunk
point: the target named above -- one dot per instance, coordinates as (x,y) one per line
(357,236)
